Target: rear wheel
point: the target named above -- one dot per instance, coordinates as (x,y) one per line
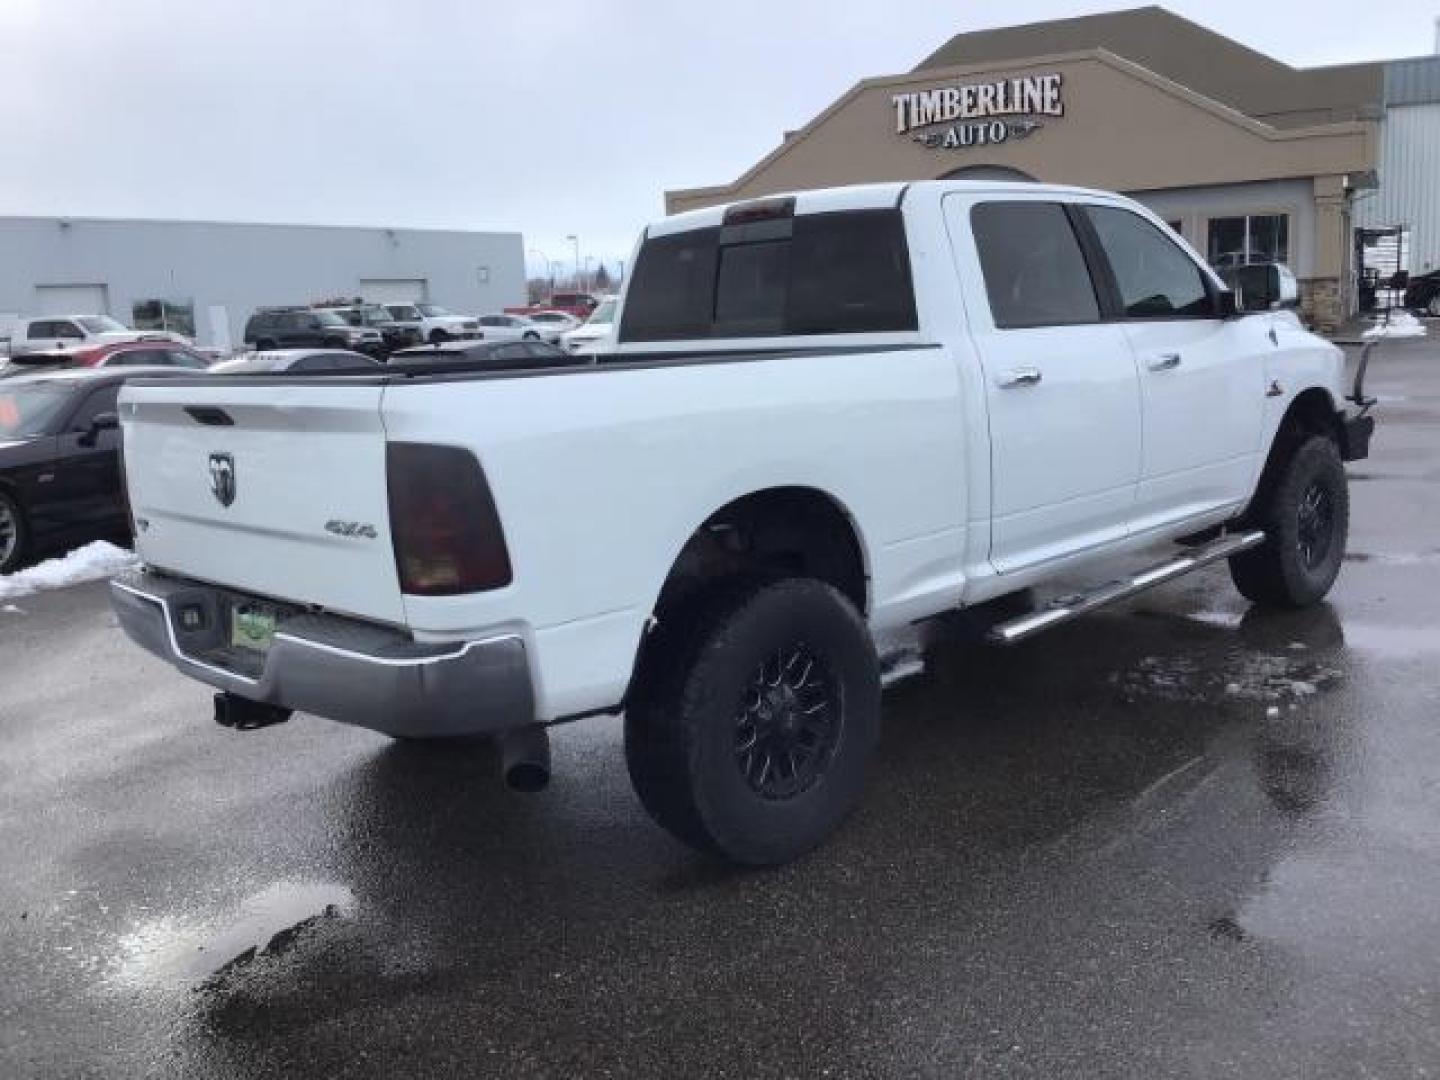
(1305,514)
(14,538)
(754,718)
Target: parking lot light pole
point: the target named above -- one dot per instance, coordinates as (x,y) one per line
(576,241)
(549,267)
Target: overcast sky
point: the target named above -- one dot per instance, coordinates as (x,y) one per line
(547,116)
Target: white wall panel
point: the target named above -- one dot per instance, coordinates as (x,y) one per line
(241,267)
(1409,192)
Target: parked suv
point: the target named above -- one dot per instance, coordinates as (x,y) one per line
(394,334)
(433,323)
(298,327)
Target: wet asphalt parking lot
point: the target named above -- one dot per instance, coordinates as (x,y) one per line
(1177,839)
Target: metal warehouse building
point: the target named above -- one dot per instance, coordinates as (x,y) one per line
(205,278)
(1334,171)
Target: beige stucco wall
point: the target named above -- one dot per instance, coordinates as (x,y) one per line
(1124,129)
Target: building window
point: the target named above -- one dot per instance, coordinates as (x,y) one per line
(1256,238)
(175,315)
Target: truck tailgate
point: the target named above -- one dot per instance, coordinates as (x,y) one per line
(276,489)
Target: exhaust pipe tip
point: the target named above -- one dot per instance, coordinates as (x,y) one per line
(525,759)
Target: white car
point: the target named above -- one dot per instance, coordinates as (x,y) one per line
(946,395)
(553,324)
(502,327)
(434,323)
(596,333)
(47,333)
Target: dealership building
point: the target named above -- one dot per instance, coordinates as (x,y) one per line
(1334,170)
(204,279)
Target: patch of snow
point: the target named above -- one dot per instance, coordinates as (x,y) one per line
(89,563)
(1400,324)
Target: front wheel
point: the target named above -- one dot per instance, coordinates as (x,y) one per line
(754,718)
(13,537)
(1305,514)
(438,337)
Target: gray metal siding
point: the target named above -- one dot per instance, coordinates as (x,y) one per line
(1413,82)
(1409,192)
(242,266)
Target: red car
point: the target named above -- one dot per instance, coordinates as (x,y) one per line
(578,304)
(157,352)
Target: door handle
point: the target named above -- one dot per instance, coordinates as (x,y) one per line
(1025,376)
(1165,362)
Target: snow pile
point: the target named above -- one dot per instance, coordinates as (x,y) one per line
(89,563)
(1400,324)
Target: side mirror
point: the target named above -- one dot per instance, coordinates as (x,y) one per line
(1264,286)
(105,421)
(1227,304)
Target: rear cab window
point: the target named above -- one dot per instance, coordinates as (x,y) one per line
(782,275)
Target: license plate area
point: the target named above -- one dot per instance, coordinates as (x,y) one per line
(252,625)
(226,629)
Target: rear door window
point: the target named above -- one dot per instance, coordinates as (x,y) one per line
(831,273)
(1035,271)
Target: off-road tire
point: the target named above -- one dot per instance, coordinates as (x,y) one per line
(686,720)
(1283,571)
(10,510)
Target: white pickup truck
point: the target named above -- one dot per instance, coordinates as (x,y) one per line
(826,416)
(48,333)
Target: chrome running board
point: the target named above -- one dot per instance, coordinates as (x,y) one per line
(1070,607)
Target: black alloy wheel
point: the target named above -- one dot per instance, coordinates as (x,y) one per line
(789,724)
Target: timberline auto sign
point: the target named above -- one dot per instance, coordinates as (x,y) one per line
(978,114)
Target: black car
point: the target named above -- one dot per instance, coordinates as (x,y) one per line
(306,328)
(1423,293)
(60,458)
(482,356)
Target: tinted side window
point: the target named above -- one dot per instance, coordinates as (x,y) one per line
(1155,278)
(103,400)
(1035,272)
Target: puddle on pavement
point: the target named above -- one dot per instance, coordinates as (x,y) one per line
(183,950)
(1244,676)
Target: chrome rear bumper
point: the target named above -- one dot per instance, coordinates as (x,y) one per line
(342,669)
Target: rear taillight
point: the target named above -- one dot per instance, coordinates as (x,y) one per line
(446,531)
